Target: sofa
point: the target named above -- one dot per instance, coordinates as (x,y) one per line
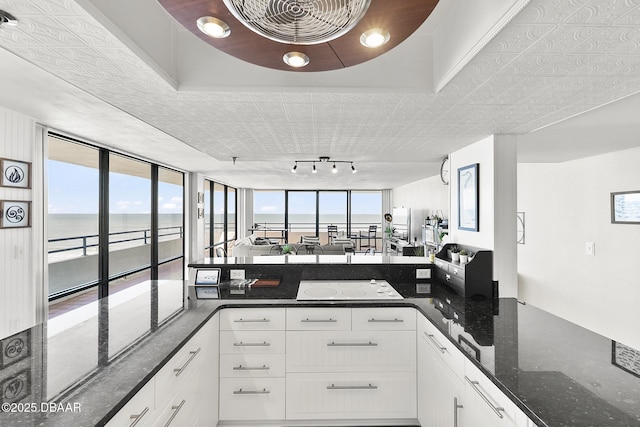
(255,246)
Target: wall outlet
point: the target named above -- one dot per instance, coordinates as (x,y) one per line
(590,248)
(237,274)
(423,273)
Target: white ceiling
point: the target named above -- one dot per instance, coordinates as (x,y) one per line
(93,72)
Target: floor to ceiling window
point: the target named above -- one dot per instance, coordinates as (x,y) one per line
(115,228)
(220,219)
(302,213)
(268,214)
(332,211)
(73,238)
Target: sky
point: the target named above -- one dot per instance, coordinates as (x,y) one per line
(74,189)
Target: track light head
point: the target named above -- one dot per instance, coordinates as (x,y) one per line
(353,168)
(334,169)
(295,166)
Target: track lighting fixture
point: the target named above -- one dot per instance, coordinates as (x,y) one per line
(323,159)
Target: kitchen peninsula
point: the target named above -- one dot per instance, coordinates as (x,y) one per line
(534,368)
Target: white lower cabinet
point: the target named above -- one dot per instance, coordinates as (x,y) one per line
(486,405)
(252,399)
(139,411)
(440,391)
(363,370)
(182,392)
(252,364)
(453,392)
(351,396)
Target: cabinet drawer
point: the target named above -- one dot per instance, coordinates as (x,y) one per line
(441,346)
(252,319)
(456,270)
(234,342)
(382,319)
(351,396)
(180,411)
(178,373)
(140,408)
(484,401)
(441,264)
(318,319)
(351,351)
(251,365)
(252,398)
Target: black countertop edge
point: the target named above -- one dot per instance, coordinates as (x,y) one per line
(190,321)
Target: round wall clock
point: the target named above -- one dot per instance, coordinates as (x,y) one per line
(444,171)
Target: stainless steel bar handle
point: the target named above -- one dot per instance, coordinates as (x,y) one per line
(498,410)
(455,411)
(251,344)
(352,387)
(352,344)
(433,339)
(241,391)
(385,320)
(179,370)
(307,320)
(136,418)
(263,320)
(251,368)
(175,409)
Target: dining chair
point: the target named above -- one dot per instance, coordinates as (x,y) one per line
(372,234)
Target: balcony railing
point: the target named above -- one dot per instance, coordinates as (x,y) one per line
(131,236)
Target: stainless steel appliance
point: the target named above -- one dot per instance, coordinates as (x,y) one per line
(338,290)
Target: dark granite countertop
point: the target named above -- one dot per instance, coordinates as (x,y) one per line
(558,373)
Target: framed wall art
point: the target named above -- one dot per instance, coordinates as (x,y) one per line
(625,207)
(15,214)
(15,173)
(625,358)
(468,198)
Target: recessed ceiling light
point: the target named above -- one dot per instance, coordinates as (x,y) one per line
(295,59)
(213,27)
(375,37)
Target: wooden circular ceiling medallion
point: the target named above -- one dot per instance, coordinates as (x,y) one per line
(328,32)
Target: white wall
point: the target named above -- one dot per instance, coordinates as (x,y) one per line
(496,156)
(18,247)
(480,152)
(566,205)
(424,197)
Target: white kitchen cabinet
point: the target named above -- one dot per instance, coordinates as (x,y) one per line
(180,394)
(252,399)
(207,376)
(252,319)
(343,366)
(440,390)
(351,351)
(368,395)
(486,405)
(139,411)
(252,342)
(186,382)
(453,392)
(252,364)
(387,318)
(319,319)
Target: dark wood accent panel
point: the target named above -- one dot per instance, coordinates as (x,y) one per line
(400,17)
